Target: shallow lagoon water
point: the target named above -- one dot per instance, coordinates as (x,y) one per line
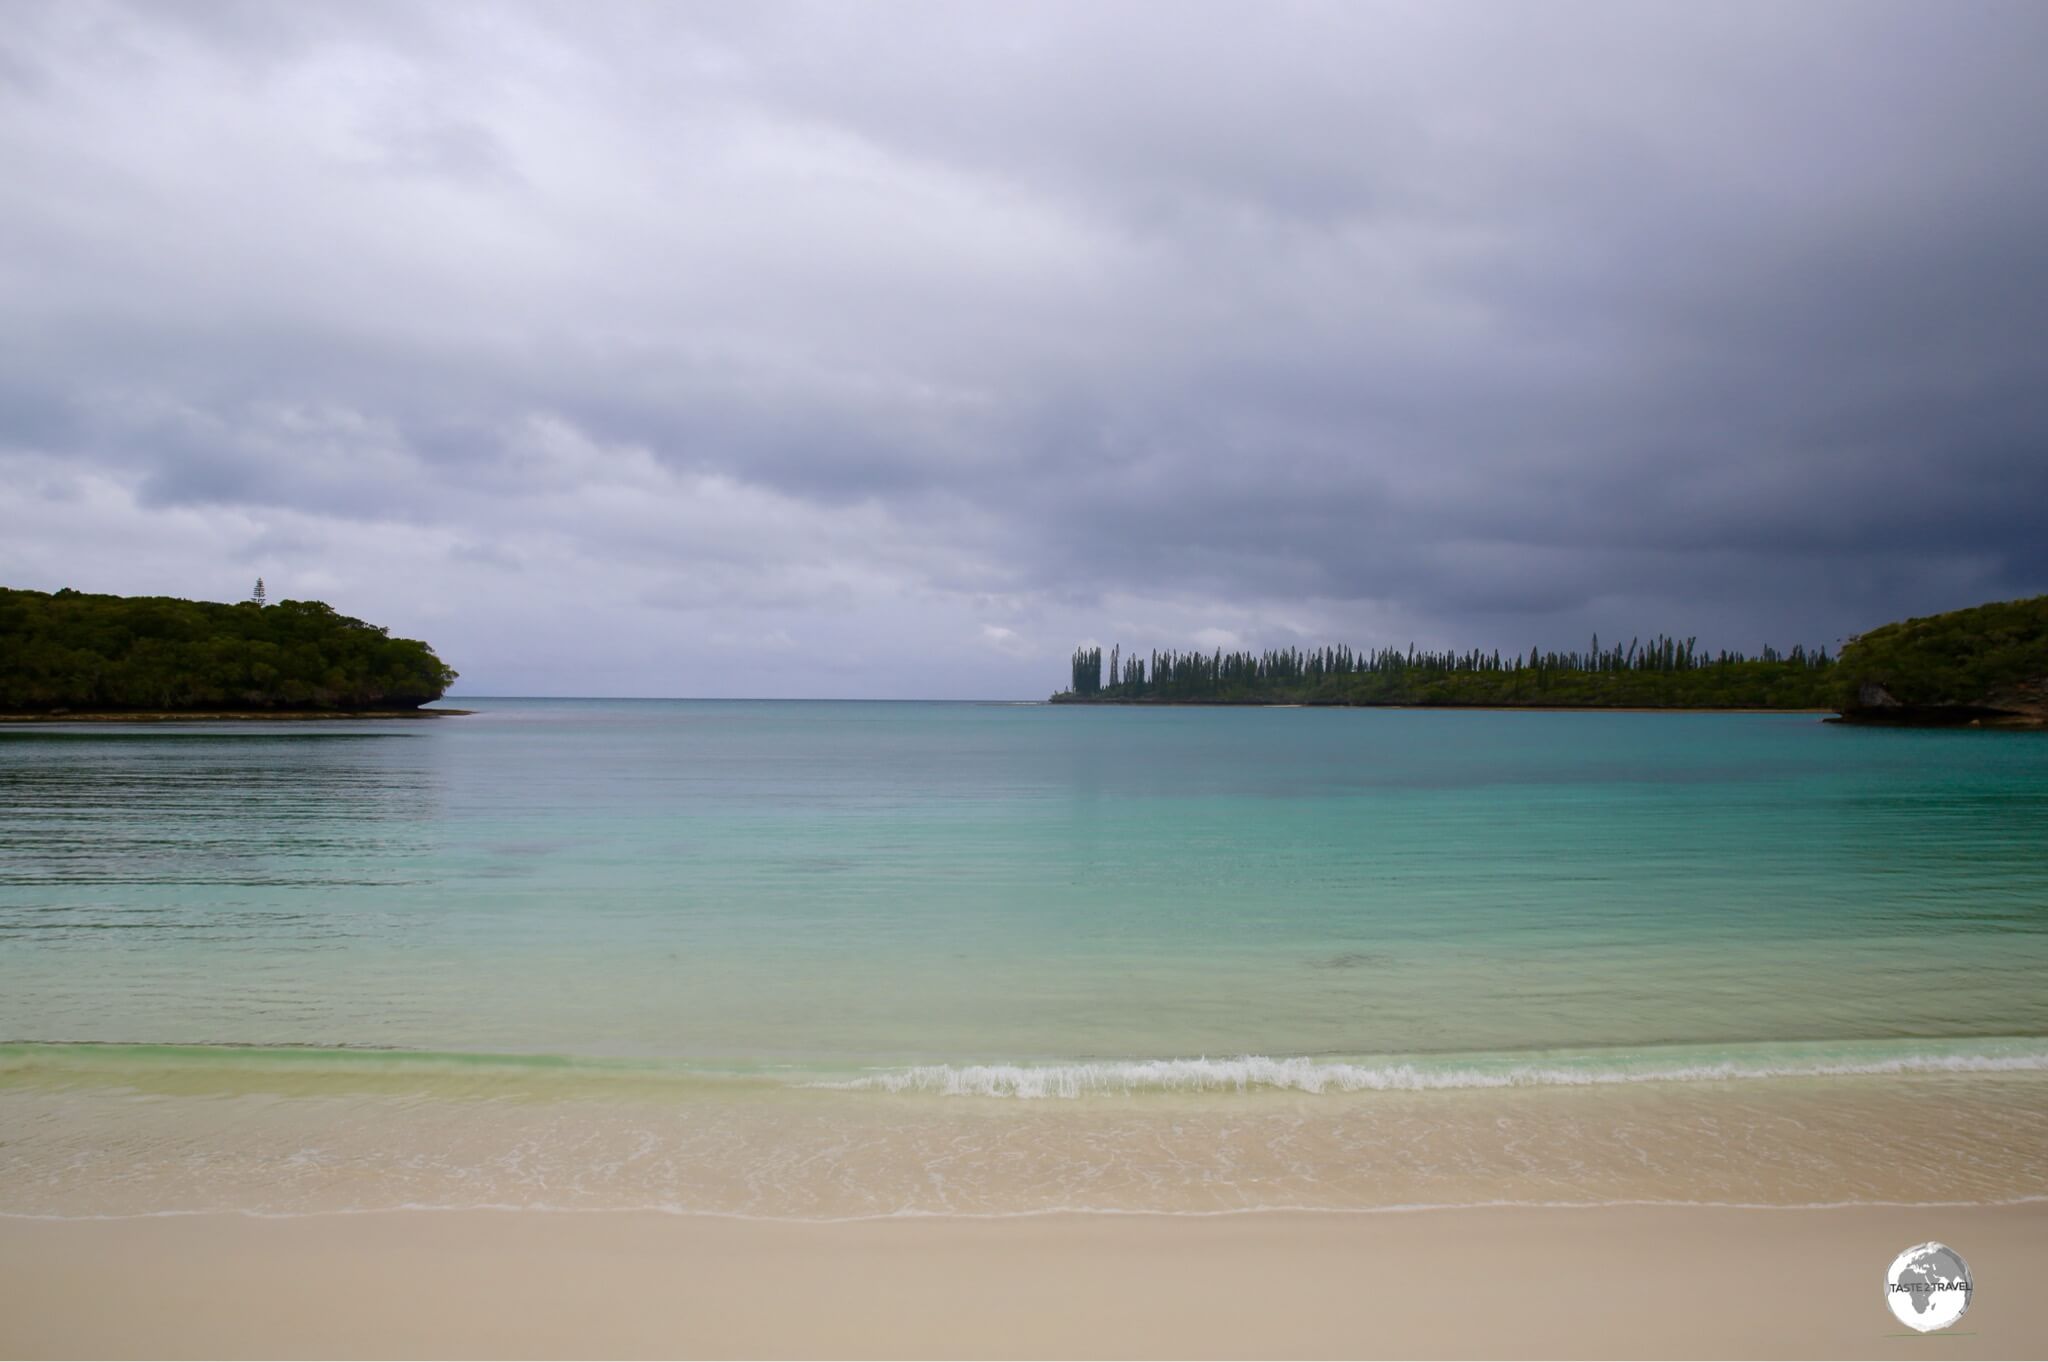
(907,926)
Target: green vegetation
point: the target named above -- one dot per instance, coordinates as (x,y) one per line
(1665,673)
(83,652)
(1987,662)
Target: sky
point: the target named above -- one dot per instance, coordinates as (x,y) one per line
(896,349)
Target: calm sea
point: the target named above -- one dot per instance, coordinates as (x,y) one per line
(849,937)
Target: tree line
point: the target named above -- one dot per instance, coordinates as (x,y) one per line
(1662,671)
(77,651)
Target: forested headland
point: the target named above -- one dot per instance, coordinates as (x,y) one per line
(72,651)
(1984,665)
(1660,673)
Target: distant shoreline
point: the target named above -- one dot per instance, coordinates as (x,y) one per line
(1504,709)
(163,716)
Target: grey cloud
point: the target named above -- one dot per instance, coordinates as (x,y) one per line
(918,331)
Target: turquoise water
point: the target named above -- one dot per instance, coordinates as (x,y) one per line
(850,885)
(825,960)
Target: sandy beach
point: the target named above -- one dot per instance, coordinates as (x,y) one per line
(1606,1282)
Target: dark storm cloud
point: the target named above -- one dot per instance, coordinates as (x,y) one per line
(747,344)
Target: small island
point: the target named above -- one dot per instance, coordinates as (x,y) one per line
(1986,666)
(74,655)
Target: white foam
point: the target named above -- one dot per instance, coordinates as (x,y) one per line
(1251,1072)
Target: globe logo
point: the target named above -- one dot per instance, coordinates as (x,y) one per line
(1928,1287)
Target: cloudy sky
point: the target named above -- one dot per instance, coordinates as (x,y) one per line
(894,349)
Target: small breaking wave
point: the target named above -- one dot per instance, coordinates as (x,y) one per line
(220,1070)
(1248,1073)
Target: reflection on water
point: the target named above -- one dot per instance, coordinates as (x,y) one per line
(173,810)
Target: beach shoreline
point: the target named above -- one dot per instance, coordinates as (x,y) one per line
(1523,1281)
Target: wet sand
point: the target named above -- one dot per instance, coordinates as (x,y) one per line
(1605,1282)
